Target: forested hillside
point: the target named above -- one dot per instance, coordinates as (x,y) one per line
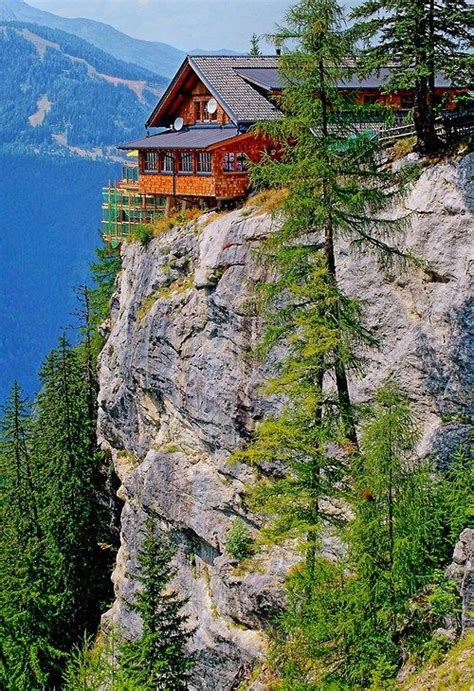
(58,91)
(161,58)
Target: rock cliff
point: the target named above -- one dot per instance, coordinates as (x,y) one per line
(180,391)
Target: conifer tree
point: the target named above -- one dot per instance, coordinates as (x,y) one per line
(422,39)
(352,622)
(26,607)
(158,659)
(255,45)
(70,481)
(332,186)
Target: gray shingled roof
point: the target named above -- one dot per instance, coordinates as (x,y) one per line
(244,103)
(192,138)
(266,77)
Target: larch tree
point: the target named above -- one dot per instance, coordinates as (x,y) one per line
(333,186)
(422,40)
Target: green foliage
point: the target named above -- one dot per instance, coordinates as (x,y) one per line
(28,655)
(158,659)
(143,234)
(255,45)
(239,540)
(421,40)
(352,622)
(54,576)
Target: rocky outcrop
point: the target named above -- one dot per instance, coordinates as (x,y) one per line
(461,572)
(179,390)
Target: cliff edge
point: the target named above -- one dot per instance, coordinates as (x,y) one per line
(179,390)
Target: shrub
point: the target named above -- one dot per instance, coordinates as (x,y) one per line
(239,540)
(142,234)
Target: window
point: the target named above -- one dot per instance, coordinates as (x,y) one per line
(151,161)
(167,163)
(234,163)
(407,101)
(185,163)
(200,111)
(204,162)
(228,162)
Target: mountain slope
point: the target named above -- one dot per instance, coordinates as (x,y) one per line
(160,58)
(59,91)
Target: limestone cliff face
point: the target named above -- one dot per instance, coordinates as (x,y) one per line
(180,391)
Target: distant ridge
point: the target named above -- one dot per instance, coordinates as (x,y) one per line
(160,58)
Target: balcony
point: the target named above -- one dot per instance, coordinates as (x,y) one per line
(124,208)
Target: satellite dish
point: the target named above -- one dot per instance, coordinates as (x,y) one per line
(211,106)
(178,124)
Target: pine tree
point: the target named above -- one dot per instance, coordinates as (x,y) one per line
(332,186)
(255,45)
(422,39)
(26,607)
(158,659)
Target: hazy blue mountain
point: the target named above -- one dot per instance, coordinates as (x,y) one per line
(160,58)
(58,91)
(81,101)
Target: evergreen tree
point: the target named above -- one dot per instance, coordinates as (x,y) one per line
(68,467)
(255,45)
(352,622)
(26,622)
(422,39)
(158,659)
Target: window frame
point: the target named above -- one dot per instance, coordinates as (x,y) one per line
(168,156)
(157,162)
(189,156)
(209,157)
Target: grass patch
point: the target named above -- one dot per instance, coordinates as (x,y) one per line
(456,671)
(402,147)
(268,201)
(181,285)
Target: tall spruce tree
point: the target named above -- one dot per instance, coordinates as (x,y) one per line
(422,39)
(158,659)
(26,605)
(70,481)
(332,186)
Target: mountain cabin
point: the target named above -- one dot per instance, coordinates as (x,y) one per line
(199,155)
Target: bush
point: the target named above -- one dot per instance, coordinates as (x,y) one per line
(239,540)
(143,234)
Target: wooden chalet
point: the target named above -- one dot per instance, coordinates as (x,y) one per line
(199,155)
(206,112)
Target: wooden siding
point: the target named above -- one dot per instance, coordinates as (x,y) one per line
(178,185)
(218,185)
(200,93)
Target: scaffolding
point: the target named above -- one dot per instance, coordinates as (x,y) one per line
(124,207)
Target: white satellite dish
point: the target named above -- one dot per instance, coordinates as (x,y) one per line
(211,106)
(178,124)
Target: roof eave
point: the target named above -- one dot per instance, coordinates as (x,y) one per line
(214,93)
(168,91)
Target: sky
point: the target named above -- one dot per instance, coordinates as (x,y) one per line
(186,24)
